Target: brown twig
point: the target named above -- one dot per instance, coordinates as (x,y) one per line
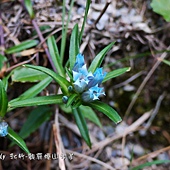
(132,128)
(48,162)
(34,23)
(20,64)
(43,43)
(151,155)
(2,42)
(91,159)
(101,14)
(59,144)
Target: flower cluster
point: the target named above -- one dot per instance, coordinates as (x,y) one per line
(3,129)
(87,83)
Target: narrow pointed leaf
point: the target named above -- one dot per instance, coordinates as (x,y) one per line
(5,82)
(71,99)
(3,59)
(42,100)
(28,5)
(166,62)
(81,123)
(76,104)
(115,73)
(55,55)
(147,164)
(24,74)
(23,46)
(36,89)
(85,18)
(65,27)
(69,73)
(14,137)
(66,109)
(60,80)
(3,100)
(107,110)
(90,114)
(74,46)
(34,120)
(97,61)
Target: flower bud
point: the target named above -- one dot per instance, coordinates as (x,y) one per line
(70,88)
(65,99)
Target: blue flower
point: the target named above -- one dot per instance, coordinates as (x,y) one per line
(97,78)
(92,94)
(85,82)
(3,129)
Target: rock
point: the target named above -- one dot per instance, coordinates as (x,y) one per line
(95,167)
(129,88)
(120,163)
(108,129)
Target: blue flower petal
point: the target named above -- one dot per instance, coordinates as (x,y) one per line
(83,70)
(3,129)
(79,62)
(80,85)
(81,73)
(98,77)
(76,75)
(92,94)
(85,82)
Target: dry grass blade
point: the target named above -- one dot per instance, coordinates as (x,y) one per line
(150,155)
(127,131)
(48,162)
(91,159)
(163,56)
(58,142)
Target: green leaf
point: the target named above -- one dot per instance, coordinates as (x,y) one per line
(36,89)
(65,109)
(90,114)
(69,73)
(106,109)
(162,7)
(55,55)
(34,120)
(115,73)
(3,100)
(166,62)
(71,99)
(97,61)
(3,59)
(156,162)
(60,80)
(65,27)
(5,82)
(74,46)
(28,5)
(24,74)
(13,136)
(45,29)
(42,100)
(81,123)
(76,104)
(85,18)
(23,46)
